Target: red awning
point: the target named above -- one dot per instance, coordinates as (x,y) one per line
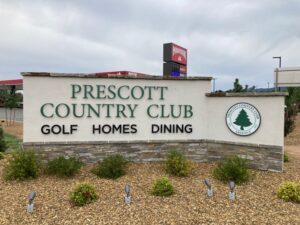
(11,82)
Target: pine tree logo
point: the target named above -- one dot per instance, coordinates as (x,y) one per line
(243,119)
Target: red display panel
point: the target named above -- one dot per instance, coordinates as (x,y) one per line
(179,54)
(175,53)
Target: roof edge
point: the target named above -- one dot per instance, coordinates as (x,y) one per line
(114,76)
(246,94)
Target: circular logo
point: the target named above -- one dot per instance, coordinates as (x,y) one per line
(243,119)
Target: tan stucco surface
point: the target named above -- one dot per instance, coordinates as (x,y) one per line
(208,119)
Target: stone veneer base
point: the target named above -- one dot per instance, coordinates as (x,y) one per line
(263,157)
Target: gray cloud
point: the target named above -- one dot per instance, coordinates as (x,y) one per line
(225,39)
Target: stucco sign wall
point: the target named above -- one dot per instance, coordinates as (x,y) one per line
(71,108)
(143,117)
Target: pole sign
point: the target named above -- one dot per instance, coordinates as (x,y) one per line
(175,58)
(174,69)
(175,53)
(287,77)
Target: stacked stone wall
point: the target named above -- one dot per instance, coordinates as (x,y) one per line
(263,157)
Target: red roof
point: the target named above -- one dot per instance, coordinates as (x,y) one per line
(123,72)
(11,82)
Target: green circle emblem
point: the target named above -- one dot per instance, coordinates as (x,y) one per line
(243,119)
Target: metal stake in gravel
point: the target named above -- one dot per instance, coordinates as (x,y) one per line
(209,188)
(232,193)
(127,198)
(31,197)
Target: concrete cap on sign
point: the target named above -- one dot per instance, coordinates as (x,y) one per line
(247,94)
(108,75)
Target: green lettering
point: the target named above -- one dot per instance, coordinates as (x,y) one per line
(59,108)
(119,92)
(88,89)
(74,106)
(43,108)
(163,112)
(188,113)
(149,112)
(120,110)
(95,111)
(101,92)
(132,110)
(162,92)
(173,110)
(133,94)
(111,90)
(150,88)
(108,109)
(75,89)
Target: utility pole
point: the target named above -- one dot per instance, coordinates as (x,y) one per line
(276,76)
(278,57)
(214,84)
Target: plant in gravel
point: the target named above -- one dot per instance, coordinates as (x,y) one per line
(63,167)
(162,187)
(176,164)
(111,167)
(285,157)
(22,165)
(83,193)
(12,142)
(232,168)
(3,145)
(289,191)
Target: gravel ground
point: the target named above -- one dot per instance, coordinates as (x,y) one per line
(294,137)
(256,202)
(15,129)
(292,141)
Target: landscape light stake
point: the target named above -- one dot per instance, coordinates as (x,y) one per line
(127,198)
(31,197)
(209,188)
(231,193)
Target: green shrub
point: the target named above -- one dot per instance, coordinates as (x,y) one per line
(177,164)
(22,166)
(232,168)
(289,125)
(12,142)
(3,145)
(1,155)
(83,193)
(162,187)
(285,157)
(111,167)
(63,167)
(289,191)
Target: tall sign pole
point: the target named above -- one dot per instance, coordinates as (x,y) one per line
(175,60)
(276,72)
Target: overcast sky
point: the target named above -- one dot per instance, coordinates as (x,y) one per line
(226,39)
